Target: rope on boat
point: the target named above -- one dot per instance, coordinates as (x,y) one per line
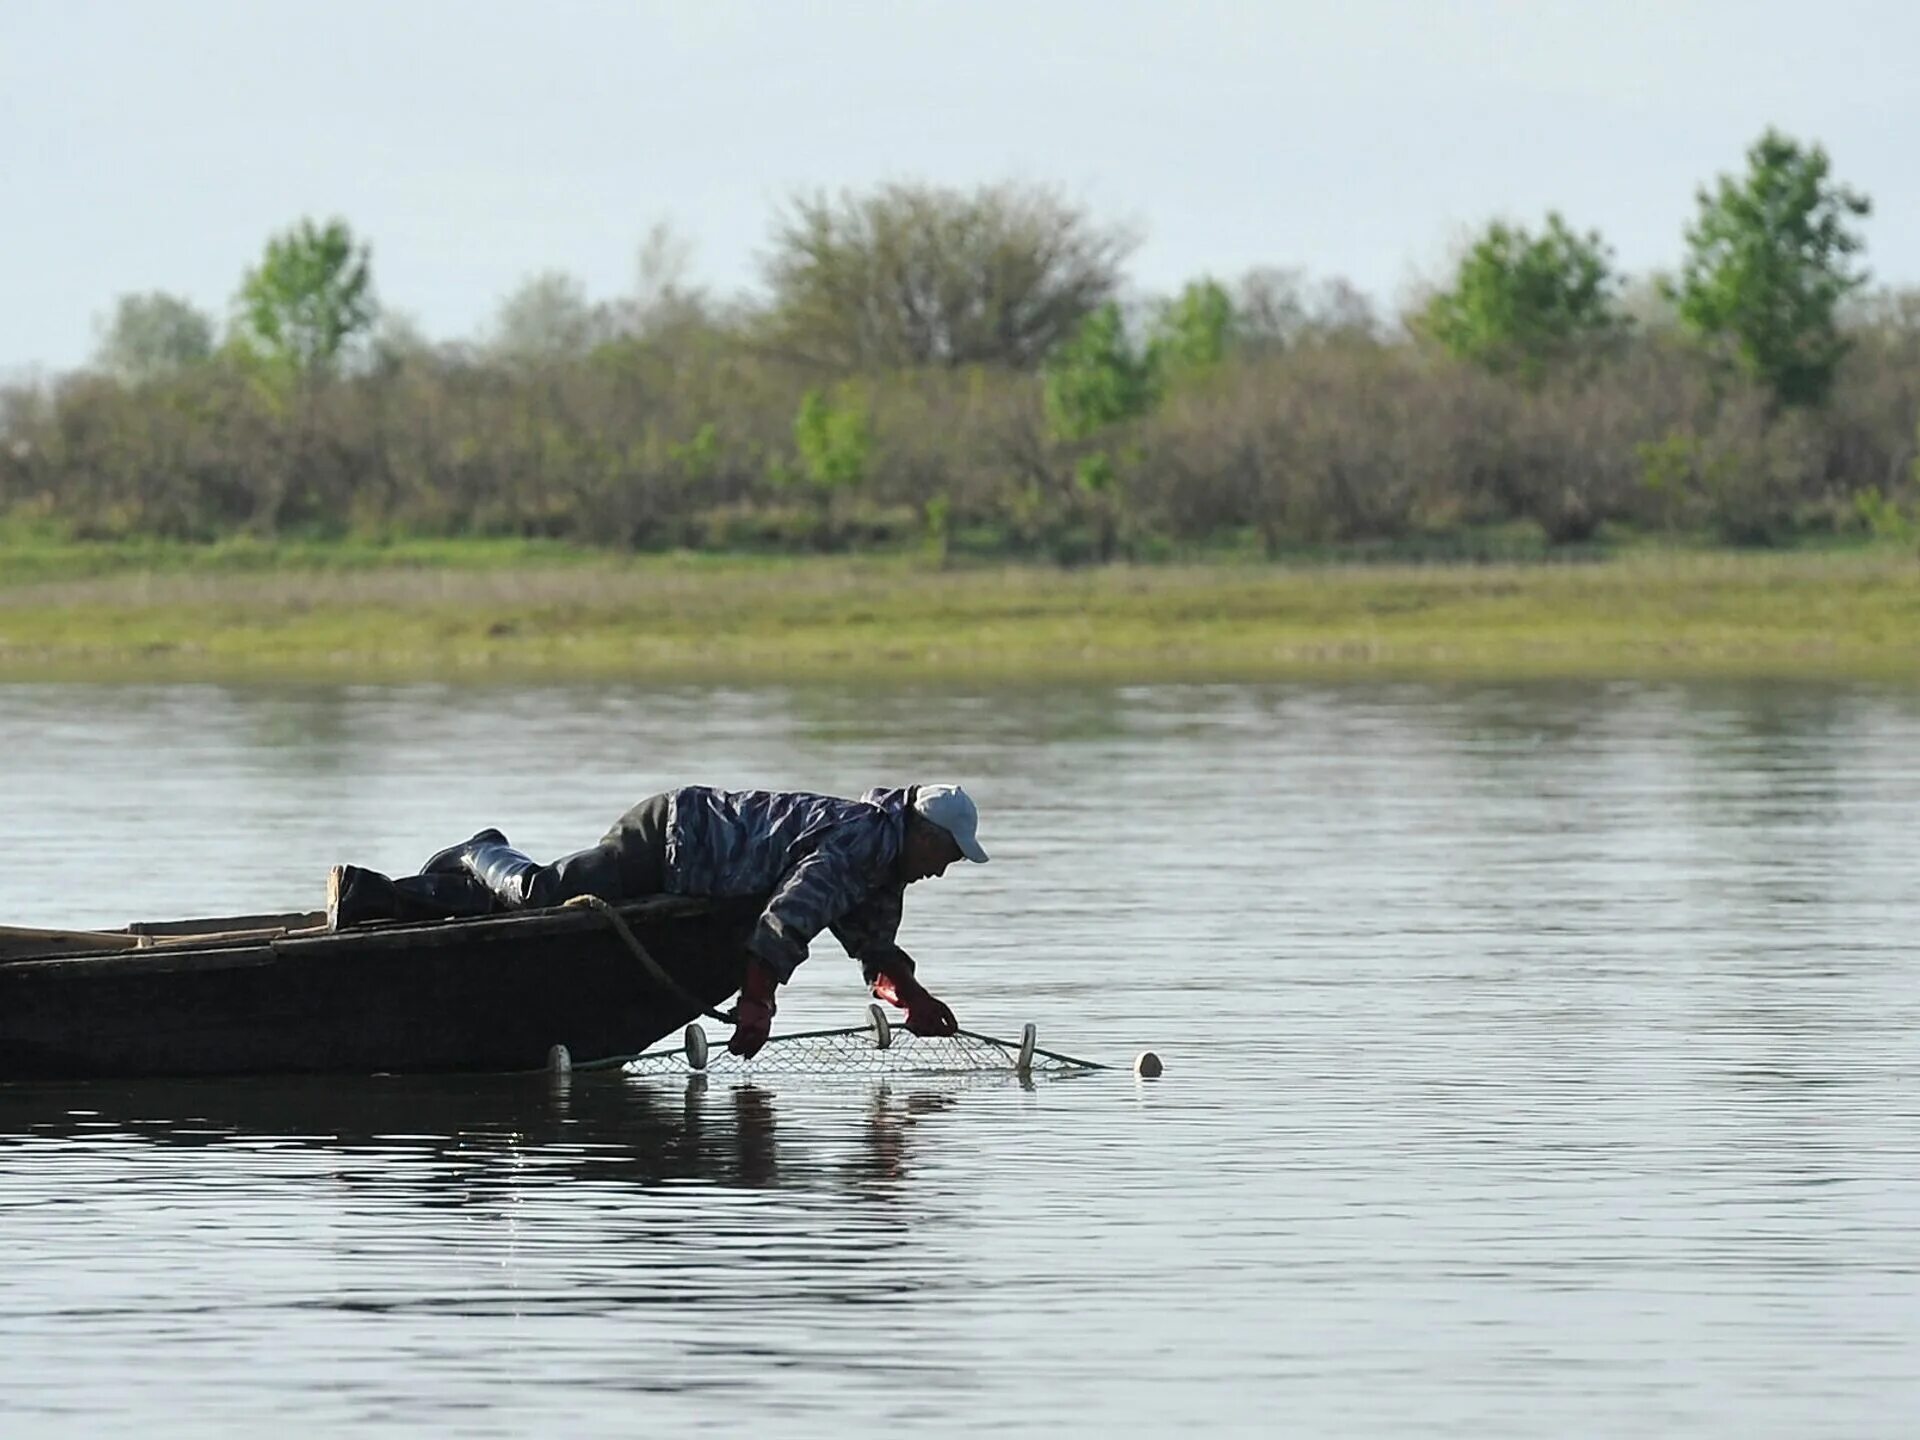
(652,966)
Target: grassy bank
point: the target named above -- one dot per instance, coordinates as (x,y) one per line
(452,611)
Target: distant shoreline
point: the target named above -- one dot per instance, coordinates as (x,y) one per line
(1845,615)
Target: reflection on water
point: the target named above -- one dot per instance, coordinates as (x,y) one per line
(1541,1060)
(473,1139)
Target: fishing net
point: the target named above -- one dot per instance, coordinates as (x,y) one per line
(876,1048)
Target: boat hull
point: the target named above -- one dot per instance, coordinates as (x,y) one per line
(490,994)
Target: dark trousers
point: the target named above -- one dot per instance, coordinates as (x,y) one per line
(630,862)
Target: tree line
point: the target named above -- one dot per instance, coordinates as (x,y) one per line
(964,370)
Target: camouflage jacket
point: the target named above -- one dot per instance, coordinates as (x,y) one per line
(828,863)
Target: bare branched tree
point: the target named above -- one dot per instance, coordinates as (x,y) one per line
(547,318)
(664,298)
(152,335)
(912,274)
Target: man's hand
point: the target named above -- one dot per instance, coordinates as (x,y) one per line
(925,1015)
(752,1023)
(753,1016)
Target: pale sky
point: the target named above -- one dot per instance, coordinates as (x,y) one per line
(156,145)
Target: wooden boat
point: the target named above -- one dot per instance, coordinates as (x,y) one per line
(279,994)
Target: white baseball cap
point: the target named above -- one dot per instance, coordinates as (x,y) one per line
(953,810)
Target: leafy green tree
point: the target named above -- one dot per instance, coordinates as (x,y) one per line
(923,275)
(833,438)
(698,457)
(153,335)
(1094,381)
(1195,331)
(835,443)
(311,295)
(1520,299)
(1768,264)
(1097,378)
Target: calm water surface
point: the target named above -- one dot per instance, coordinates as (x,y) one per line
(1541,1061)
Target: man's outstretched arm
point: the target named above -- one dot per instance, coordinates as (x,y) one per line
(812,893)
(868,932)
(811,896)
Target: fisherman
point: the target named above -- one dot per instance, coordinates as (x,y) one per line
(827,863)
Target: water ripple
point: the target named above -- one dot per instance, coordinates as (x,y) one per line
(1541,1060)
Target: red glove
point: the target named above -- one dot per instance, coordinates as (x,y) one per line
(925,1015)
(753,1016)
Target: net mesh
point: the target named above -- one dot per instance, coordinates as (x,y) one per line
(856,1051)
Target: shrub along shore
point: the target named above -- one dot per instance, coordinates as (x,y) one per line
(919,451)
(970,373)
(540,612)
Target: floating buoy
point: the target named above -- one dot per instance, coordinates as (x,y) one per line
(1023,1062)
(560,1060)
(881,1026)
(696,1049)
(1147,1065)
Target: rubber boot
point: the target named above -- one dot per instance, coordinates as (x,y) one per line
(444,896)
(507,872)
(453,859)
(356,896)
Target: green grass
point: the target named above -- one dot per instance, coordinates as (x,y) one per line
(28,555)
(479,609)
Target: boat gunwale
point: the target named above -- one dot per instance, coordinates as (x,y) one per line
(194,951)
